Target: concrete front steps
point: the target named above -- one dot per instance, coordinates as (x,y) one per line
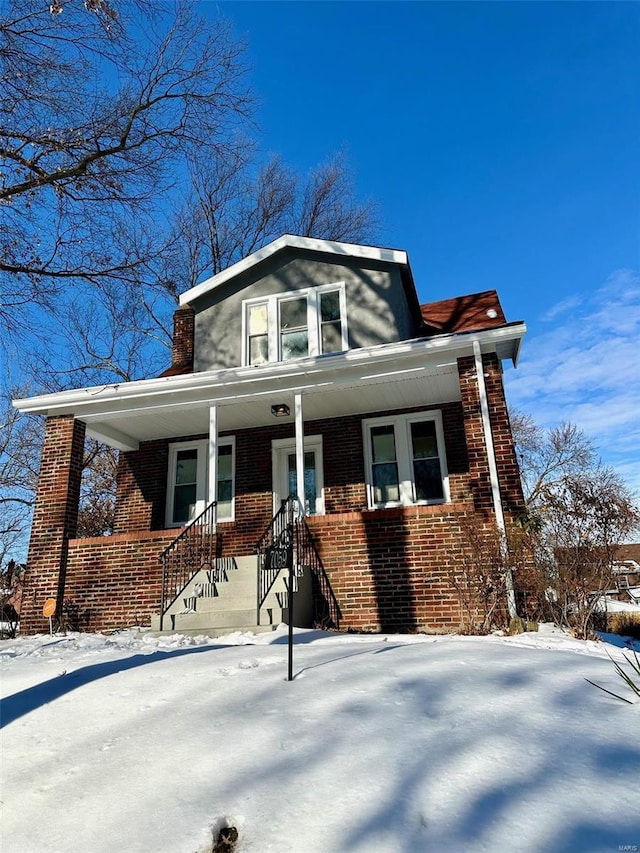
(220,602)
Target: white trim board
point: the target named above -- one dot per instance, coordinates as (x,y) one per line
(290,241)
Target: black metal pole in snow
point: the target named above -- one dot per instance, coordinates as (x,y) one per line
(290,678)
(290,523)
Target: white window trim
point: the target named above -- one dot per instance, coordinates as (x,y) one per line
(202,477)
(228,440)
(402,433)
(273,303)
(279,446)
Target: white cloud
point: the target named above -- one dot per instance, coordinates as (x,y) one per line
(561,308)
(586,369)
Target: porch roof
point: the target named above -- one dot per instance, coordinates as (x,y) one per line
(419,372)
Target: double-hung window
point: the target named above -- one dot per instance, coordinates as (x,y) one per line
(294,328)
(308,322)
(257,333)
(405,460)
(187,482)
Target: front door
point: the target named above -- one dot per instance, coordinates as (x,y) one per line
(286,480)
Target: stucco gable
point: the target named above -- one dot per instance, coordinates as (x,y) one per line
(297,244)
(381,304)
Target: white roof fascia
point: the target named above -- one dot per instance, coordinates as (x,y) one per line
(290,241)
(145,393)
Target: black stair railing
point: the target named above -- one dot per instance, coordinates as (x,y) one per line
(286,542)
(189,553)
(326,610)
(275,549)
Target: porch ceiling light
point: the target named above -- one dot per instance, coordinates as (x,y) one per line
(280,410)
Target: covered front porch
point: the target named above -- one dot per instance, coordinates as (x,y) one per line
(241,440)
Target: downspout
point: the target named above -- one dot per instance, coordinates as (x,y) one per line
(493,474)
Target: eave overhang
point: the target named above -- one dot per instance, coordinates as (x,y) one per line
(369,379)
(305,244)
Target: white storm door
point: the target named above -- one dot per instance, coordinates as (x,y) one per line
(285,481)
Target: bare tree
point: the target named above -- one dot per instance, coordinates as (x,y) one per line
(11,587)
(94,124)
(547,455)
(113,114)
(126,175)
(480,578)
(329,207)
(20,442)
(586,517)
(238,204)
(97,493)
(579,513)
(21,439)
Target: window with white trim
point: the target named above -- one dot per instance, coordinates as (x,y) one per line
(285,326)
(405,462)
(187,482)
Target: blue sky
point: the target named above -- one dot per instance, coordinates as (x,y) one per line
(502,142)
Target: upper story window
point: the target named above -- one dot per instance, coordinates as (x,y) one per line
(405,460)
(308,322)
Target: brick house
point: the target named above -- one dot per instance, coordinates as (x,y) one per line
(308,368)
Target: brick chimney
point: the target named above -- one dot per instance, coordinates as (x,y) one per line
(183,328)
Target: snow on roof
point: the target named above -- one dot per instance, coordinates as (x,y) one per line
(614,606)
(626,566)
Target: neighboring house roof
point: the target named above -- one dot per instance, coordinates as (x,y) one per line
(310,244)
(626,567)
(614,606)
(468,313)
(629,552)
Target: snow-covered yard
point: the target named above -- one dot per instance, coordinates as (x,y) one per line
(381,743)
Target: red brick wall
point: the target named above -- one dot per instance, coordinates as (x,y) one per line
(506,459)
(55,518)
(142,488)
(116,581)
(508,471)
(391,569)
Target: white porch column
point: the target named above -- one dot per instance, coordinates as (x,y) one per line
(213,456)
(493,471)
(299,422)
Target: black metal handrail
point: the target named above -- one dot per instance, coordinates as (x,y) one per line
(326,610)
(288,541)
(274,549)
(189,553)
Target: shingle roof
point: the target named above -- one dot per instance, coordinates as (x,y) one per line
(472,312)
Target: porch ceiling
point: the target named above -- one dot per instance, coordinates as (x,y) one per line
(391,376)
(325,400)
